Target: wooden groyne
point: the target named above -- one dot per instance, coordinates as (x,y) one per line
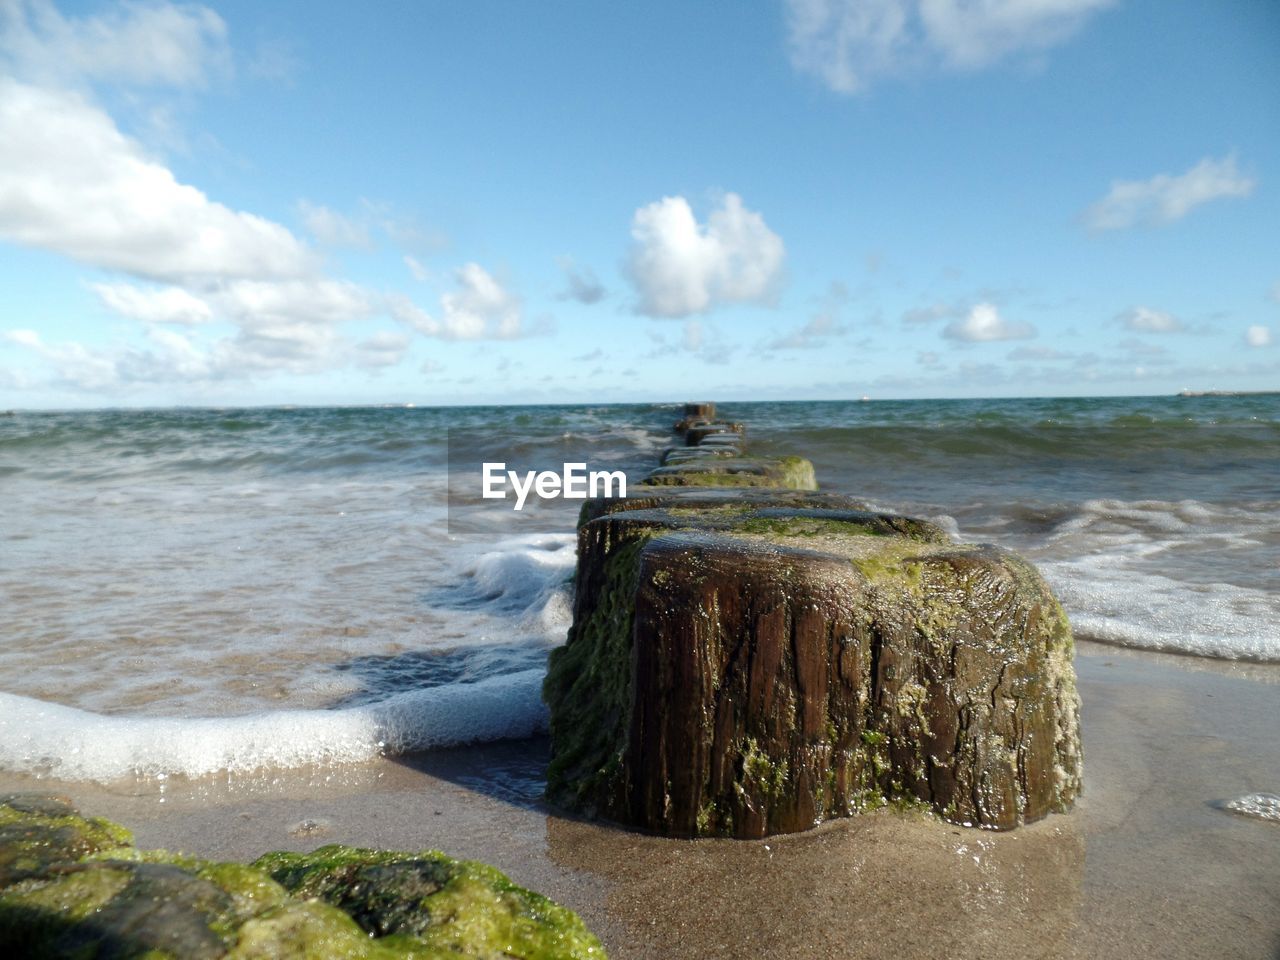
(749,656)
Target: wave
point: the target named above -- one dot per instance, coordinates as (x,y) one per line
(51,740)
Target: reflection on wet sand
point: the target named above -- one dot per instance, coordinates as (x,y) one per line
(885,884)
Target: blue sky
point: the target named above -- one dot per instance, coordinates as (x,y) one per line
(243,203)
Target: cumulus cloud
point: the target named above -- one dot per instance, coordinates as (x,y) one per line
(1258,336)
(581,283)
(680,267)
(74,364)
(141,44)
(983,324)
(1166,198)
(72,183)
(479,307)
(848,44)
(153,305)
(1146,320)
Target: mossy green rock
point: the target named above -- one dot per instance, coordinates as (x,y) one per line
(75,887)
(37,831)
(741,669)
(789,473)
(455,907)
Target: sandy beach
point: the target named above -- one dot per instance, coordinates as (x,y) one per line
(1148,862)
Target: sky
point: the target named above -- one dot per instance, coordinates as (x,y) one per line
(501,202)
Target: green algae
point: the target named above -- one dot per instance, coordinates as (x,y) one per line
(762,775)
(37,832)
(86,893)
(455,907)
(787,473)
(589,683)
(806,527)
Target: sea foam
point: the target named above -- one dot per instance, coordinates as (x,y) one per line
(52,740)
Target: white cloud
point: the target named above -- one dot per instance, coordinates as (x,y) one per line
(581,283)
(107,204)
(1258,336)
(983,324)
(1166,198)
(134,43)
(73,184)
(1146,320)
(976,33)
(680,267)
(153,305)
(479,308)
(332,228)
(849,43)
(73,363)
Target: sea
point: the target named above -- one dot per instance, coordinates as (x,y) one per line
(191,592)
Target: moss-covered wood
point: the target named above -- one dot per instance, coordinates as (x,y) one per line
(698,432)
(76,887)
(757,669)
(791,473)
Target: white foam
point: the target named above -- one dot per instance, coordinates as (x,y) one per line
(1264,806)
(49,739)
(527,572)
(1114,603)
(1180,576)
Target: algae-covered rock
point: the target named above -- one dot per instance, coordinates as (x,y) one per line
(793,473)
(75,887)
(37,831)
(740,670)
(460,908)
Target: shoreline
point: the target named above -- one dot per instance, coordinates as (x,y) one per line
(1148,860)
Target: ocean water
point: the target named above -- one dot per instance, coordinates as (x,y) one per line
(195,591)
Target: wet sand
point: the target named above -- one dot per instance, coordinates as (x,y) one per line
(1148,863)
